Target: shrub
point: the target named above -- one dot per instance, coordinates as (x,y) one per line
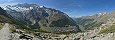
(1,26)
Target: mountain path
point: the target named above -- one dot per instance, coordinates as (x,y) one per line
(5,32)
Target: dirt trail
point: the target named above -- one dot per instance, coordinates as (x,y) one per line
(5,32)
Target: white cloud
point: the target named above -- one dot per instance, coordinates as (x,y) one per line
(4,3)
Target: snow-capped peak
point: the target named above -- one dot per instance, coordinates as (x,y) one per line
(31,7)
(102,13)
(41,6)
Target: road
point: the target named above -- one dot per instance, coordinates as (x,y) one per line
(5,32)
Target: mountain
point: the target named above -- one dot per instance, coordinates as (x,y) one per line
(94,21)
(4,17)
(90,22)
(97,27)
(43,18)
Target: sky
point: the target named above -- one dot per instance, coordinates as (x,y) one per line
(74,8)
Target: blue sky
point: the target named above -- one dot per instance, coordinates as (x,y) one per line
(73,8)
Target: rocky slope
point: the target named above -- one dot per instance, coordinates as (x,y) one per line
(5,32)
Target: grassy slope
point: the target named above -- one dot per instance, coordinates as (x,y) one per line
(3,20)
(1,26)
(110,29)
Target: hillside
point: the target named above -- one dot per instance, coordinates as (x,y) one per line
(90,22)
(97,27)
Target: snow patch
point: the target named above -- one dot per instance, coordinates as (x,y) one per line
(41,6)
(31,7)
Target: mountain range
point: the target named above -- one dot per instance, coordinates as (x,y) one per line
(32,16)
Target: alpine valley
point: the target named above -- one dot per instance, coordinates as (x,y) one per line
(33,22)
